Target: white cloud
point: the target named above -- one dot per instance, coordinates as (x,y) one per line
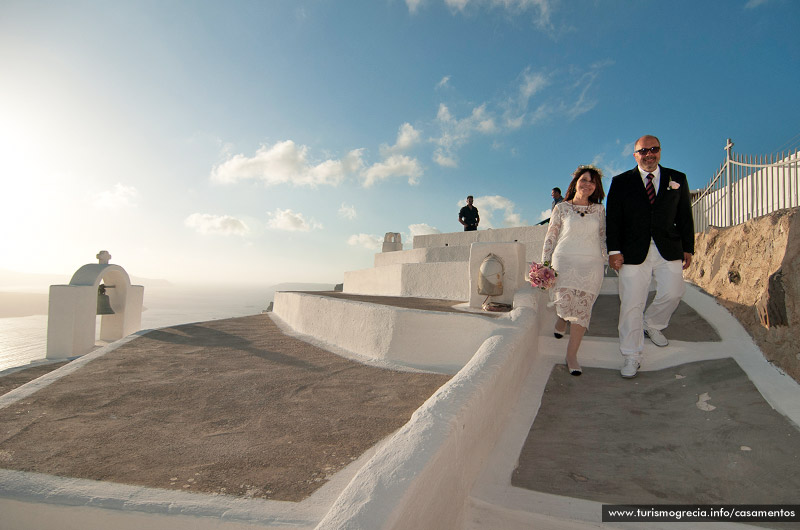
(542,7)
(413,5)
(561,94)
(287,163)
(457,4)
(516,106)
(482,121)
(118,197)
(543,20)
(545,214)
(422,229)
(290,221)
(444,82)
(208,224)
(627,150)
(531,84)
(365,240)
(609,169)
(754,3)
(443,114)
(444,160)
(572,100)
(455,133)
(583,103)
(348,212)
(394,166)
(546,111)
(515,122)
(407,137)
(489,204)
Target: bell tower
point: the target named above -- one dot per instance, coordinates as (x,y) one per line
(73,309)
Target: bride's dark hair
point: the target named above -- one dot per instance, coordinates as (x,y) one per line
(597,177)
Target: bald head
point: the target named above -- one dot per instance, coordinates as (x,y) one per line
(649,137)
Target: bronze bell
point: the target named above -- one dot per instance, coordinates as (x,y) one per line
(103,302)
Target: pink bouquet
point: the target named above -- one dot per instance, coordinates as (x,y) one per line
(542,275)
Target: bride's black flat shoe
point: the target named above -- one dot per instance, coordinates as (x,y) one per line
(573,371)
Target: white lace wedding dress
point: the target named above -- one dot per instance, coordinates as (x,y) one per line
(575,246)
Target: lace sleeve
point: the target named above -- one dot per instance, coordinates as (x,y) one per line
(553,231)
(602,234)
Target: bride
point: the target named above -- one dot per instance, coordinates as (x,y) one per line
(575,245)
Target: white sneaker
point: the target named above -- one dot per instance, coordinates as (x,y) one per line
(656,336)
(630,367)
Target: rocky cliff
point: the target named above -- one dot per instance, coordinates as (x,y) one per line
(752,269)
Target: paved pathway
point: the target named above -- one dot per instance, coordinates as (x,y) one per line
(693,427)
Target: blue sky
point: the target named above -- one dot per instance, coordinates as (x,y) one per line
(261,142)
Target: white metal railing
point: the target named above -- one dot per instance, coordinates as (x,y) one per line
(747,186)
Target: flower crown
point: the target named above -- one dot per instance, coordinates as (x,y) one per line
(587,167)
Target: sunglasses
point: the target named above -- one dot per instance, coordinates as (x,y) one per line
(644,150)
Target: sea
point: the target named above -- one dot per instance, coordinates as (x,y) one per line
(23,339)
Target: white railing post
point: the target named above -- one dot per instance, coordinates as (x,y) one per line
(729,183)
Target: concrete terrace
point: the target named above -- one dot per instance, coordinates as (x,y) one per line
(495,433)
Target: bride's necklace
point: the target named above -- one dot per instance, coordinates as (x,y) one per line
(582,210)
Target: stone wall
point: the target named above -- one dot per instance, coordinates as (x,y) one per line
(752,269)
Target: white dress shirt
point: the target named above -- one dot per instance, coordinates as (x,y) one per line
(656,180)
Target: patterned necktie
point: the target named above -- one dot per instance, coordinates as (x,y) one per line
(651,191)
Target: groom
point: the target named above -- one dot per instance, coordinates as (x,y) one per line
(650,234)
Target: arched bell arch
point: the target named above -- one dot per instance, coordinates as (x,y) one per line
(72,322)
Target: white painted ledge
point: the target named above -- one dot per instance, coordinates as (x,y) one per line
(531,236)
(447,280)
(423,475)
(422,255)
(426,340)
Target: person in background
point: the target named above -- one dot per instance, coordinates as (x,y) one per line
(575,246)
(557,198)
(468,216)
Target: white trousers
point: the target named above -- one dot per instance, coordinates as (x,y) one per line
(634,284)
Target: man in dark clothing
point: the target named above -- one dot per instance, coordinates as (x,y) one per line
(557,198)
(468,216)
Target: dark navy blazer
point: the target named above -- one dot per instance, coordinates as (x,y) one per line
(631,221)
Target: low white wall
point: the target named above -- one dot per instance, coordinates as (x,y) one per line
(442,342)
(422,255)
(417,255)
(447,280)
(530,236)
(378,281)
(423,475)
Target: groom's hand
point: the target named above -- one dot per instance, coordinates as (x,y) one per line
(615,261)
(687,260)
